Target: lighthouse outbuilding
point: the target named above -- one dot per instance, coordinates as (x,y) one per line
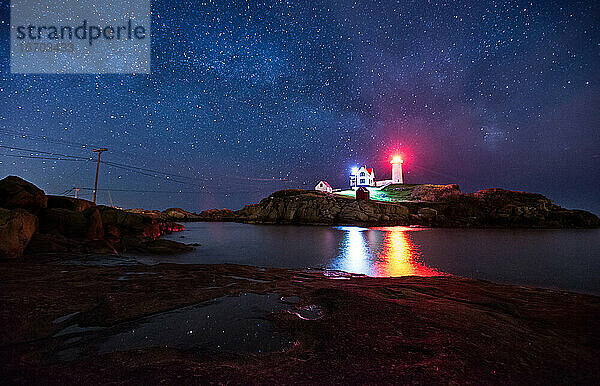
(323,186)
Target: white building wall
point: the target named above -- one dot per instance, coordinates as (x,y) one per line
(323,187)
(364,178)
(397,173)
(381,183)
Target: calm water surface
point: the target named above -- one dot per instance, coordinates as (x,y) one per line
(564,259)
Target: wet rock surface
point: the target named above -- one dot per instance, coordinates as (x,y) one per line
(362,329)
(435,206)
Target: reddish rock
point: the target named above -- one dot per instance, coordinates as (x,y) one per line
(17,226)
(16,193)
(178,214)
(402,330)
(94,227)
(43,243)
(217,215)
(62,221)
(70,203)
(72,224)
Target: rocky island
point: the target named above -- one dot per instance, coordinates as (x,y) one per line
(425,205)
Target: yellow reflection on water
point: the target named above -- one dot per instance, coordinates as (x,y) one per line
(400,256)
(385,251)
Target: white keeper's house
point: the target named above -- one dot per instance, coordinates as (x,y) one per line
(362,177)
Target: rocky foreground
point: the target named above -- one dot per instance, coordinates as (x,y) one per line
(432,205)
(365,330)
(32,222)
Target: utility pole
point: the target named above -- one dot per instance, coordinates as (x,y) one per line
(99,151)
(76,190)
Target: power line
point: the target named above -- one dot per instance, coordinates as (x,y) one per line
(130,168)
(71,143)
(41,157)
(44,138)
(44,152)
(172,192)
(111,163)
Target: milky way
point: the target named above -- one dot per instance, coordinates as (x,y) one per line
(479,93)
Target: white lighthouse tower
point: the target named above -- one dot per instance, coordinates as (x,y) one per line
(397,170)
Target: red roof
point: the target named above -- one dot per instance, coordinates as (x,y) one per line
(325,183)
(370,170)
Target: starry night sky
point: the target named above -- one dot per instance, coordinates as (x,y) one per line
(479,93)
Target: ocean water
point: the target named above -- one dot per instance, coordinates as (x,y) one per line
(566,259)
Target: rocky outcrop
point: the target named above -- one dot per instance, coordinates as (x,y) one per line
(502,208)
(132,232)
(445,207)
(428,192)
(48,243)
(312,207)
(76,204)
(73,224)
(217,215)
(17,226)
(178,214)
(18,193)
(171,214)
(66,224)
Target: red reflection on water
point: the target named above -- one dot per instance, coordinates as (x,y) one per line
(400,256)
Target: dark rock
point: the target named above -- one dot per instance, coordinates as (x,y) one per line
(112,233)
(171,214)
(397,330)
(18,193)
(70,203)
(147,213)
(428,192)
(72,224)
(62,221)
(94,227)
(17,226)
(448,208)
(52,243)
(217,215)
(312,207)
(428,212)
(43,243)
(178,214)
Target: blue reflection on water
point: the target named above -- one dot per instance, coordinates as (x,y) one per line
(385,251)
